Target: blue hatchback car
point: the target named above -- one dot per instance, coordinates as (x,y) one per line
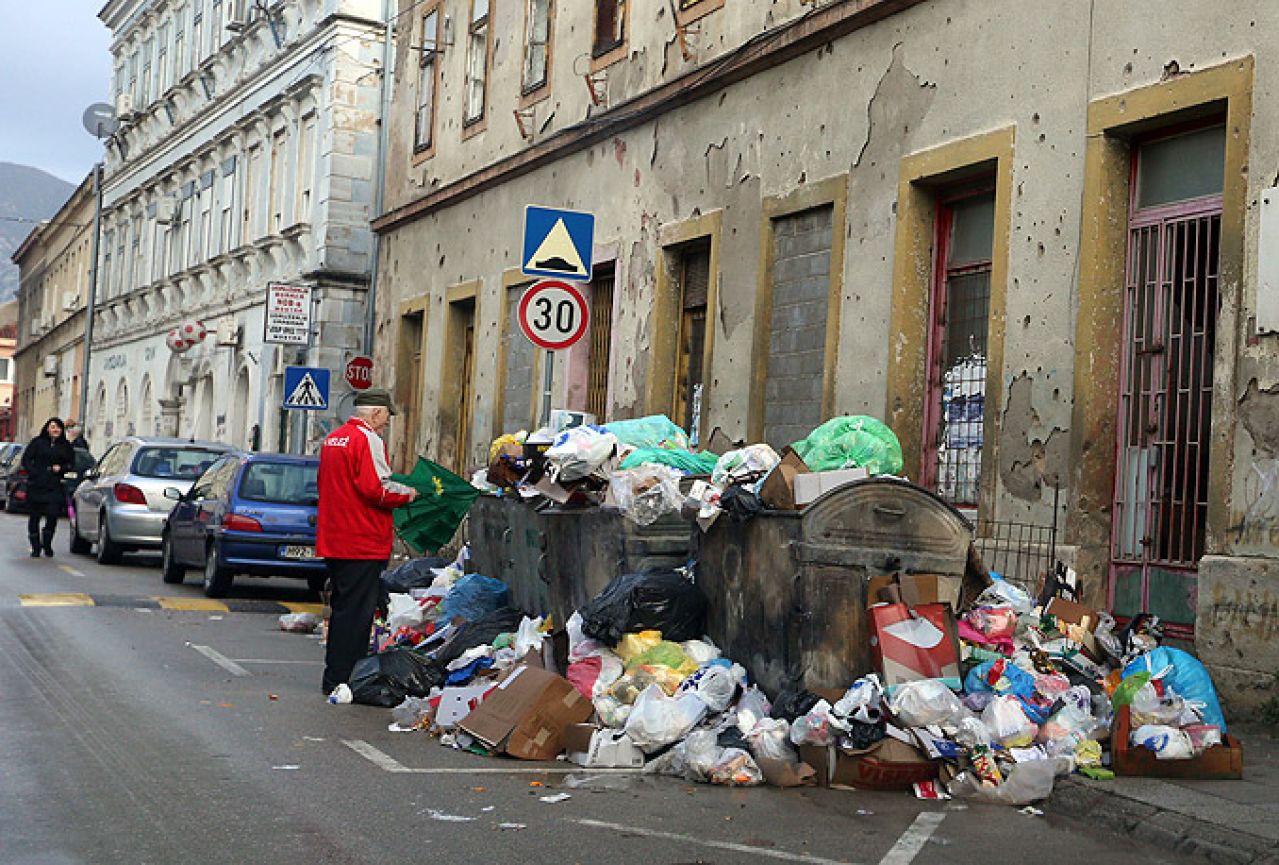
(248,514)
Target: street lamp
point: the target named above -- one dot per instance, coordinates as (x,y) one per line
(100,122)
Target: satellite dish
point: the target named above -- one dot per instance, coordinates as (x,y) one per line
(100,120)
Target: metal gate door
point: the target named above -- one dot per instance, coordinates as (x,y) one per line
(1165,411)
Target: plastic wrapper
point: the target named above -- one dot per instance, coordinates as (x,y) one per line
(682,461)
(813,727)
(1168,743)
(849,442)
(736,768)
(770,740)
(635,644)
(926,702)
(300,623)
(993,623)
(612,711)
(664,654)
(745,465)
(654,431)
(661,600)
(413,712)
(657,720)
(1001,593)
(629,687)
(386,679)
(580,452)
(1202,736)
(1024,784)
(646,494)
(1008,724)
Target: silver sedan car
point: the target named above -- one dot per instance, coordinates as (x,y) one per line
(121,506)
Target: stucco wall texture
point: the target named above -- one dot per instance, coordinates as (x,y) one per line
(933,73)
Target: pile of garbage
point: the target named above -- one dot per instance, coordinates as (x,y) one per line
(639,467)
(993,704)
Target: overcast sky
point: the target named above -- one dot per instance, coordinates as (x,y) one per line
(54,63)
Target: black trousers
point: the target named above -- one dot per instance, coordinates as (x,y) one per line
(354,585)
(33,523)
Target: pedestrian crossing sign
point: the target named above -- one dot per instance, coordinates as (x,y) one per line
(558,243)
(306,388)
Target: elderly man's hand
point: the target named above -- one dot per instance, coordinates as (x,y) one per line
(412,495)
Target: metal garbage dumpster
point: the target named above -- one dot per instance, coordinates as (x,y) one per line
(508,541)
(787,590)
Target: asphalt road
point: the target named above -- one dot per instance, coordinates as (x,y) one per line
(135,733)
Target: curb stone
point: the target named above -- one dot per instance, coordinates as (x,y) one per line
(1187,835)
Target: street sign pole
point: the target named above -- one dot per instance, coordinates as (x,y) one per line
(548,378)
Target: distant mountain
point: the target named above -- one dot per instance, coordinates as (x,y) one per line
(25,194)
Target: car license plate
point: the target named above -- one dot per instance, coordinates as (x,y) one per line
(294,552)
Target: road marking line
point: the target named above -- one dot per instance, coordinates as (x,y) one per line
(913,839)
(719,845)
(222,661)
(192,605)
(302,607)
(72,571)
(276,661)
(390,764)
(56,599)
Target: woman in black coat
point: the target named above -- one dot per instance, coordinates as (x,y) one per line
(46,459)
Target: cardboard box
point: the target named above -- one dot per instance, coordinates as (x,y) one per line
(1221,762)
(526,714)
(778,489)
(915,589)
(1076,614)
(456,703)
(886,765)
(598,748)
(908,644)
(809,486)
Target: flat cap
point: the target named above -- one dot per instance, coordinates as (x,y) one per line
(376,396)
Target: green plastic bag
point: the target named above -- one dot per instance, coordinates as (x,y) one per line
(1128,689)
(852,442)
(654,431)
(689,463)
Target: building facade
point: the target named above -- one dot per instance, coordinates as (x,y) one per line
(245,157)
(1033,244)
(55,268)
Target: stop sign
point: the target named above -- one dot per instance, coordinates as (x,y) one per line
(359,372)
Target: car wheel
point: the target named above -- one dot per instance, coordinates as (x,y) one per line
(317,583)
(170,571)
(217,579)
(79,546)
(109,551)
(11,506)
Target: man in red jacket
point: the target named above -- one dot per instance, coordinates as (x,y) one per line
(355,528)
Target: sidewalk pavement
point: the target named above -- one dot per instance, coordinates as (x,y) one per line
(1222,822)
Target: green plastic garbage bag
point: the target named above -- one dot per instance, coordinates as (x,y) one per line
(689,463)
(428,522)
(852,442)
(654,431)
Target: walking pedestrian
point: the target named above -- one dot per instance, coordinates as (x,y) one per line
(355,529)
(75,435)
(46,458)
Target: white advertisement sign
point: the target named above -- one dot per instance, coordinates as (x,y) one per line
(288,314)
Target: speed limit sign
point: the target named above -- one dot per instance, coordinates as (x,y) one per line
(553,314)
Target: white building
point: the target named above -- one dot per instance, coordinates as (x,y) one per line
(246,156)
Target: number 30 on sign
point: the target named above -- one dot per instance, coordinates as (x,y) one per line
(553,314)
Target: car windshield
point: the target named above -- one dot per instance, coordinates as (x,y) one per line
(281,483)
(167,462)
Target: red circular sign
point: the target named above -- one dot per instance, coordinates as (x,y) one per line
(553,314)
(359,372)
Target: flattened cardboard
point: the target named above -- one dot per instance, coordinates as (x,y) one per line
(526,714)
(914,589)
(900,658)
(778,489)
(457,703)
(1076,614)
(811,485)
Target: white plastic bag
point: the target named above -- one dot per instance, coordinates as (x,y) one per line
(862,702)
(770,740)
(736,768)
(700,651)
(647,493)
(701,753)
(925,702)
(813,728)
(1168,743)
(528,638)
(750,463)
(658,720)
(752,707)
(579,452)
(403,612)
(1025,783)
(716,685)
(1007,723)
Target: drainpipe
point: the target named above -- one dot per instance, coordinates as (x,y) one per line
(91,303)
(384,135)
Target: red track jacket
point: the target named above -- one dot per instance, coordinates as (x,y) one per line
(357,495)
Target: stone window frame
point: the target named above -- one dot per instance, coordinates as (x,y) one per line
(923,178)
(832,191)
(436,7)
(475,125)
(451,375)
(411,429)
(687,13)
(531,96)
(613,53)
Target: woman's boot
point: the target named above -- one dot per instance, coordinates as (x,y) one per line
(46,538)
(35,545)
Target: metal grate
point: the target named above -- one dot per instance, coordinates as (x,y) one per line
(601,343)
(1022,553)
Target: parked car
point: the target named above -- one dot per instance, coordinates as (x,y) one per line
(121,504)
(13,478)
(248,514)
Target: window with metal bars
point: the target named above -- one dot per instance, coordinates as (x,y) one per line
(601,341)
(960,317)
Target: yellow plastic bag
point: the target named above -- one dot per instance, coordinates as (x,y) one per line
(636,644)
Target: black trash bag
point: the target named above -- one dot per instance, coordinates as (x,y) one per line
(413,574)
(731,737)
(657,600)
(792,703)
(386,679)
(740,504)
(478,632)
(861,736)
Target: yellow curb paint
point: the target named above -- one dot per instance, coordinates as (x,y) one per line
(301,607)
(57,599)
(192,605)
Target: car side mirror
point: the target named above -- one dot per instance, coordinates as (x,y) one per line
(173,493)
